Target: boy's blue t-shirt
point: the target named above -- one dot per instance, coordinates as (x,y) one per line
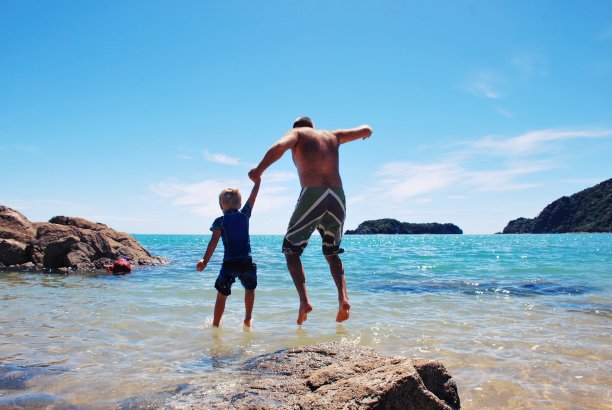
(234,227)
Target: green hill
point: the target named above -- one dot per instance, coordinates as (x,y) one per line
(395,227)
(586,211)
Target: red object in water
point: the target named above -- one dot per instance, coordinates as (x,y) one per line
(121,266)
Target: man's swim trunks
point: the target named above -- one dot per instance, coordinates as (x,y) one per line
(323,209)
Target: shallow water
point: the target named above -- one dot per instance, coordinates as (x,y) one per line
(521,321)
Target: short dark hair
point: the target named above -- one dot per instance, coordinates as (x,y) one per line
(303,122)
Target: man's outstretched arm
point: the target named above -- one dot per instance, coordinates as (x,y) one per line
(275,152)
(363,132)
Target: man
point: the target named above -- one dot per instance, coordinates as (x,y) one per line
(321,204)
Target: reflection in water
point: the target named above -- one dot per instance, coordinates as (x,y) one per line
(530,288)
(341,330)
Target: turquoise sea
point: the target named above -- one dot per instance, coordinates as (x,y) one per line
(521,321)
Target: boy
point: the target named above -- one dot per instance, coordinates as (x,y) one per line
(233,228)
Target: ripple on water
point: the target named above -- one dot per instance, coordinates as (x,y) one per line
(521,288)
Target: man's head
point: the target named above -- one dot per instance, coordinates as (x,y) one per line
(303,122)
(230,198)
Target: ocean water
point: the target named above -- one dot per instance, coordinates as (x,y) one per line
(520,321)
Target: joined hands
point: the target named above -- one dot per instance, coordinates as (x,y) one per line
(255,175)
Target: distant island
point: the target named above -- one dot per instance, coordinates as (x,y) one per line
(395,227)
(589,210)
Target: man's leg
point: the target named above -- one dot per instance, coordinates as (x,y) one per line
(249,301)
(294,264)
(219,308)
(337,270)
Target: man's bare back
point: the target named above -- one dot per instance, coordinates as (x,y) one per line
(315,155)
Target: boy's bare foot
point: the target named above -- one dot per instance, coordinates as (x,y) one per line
(303,313)
(343,312)
(247,322)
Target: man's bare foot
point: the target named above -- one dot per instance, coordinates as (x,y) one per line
(303,313)
(343,312)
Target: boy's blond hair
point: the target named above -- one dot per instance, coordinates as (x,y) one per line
(230,198)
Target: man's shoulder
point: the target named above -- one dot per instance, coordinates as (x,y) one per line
(311,134)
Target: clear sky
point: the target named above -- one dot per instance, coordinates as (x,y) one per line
(137,113)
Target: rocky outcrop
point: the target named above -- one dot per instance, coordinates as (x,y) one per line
(65,243)
(395,227)
(589,210)
(332,376)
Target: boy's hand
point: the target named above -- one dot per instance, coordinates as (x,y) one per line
(201,265)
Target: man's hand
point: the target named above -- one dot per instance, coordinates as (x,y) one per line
(255,175)
(201,265)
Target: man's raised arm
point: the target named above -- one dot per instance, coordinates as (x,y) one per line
(363,132)
(275,152)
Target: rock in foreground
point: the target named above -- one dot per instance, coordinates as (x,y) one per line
(332,376)
(65,243)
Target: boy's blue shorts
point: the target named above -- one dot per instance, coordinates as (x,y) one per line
(244,270)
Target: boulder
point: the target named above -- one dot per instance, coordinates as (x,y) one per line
(333,376)
(65,243)
(13,225)
(13,252)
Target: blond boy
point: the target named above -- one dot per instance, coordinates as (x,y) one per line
(233,229)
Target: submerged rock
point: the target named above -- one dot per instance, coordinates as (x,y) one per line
(331,376)
(65,243)
(35,401)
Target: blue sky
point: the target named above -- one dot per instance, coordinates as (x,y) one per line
(137,113)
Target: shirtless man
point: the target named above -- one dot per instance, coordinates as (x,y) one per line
(321,204)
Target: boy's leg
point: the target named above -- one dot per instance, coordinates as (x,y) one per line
(249,301)
(294,264)
(219,308)
(337,270)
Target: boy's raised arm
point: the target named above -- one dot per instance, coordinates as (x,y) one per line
(363,132)
(274,153)
(254,192)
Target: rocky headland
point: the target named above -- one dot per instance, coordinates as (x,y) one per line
(65,243)
(589,210)
(329,376)
(395,227)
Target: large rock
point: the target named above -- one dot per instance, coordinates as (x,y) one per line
(65,243)
(13,225)
(13,252)
(332,376)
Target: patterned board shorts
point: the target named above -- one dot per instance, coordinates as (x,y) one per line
(320,208)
